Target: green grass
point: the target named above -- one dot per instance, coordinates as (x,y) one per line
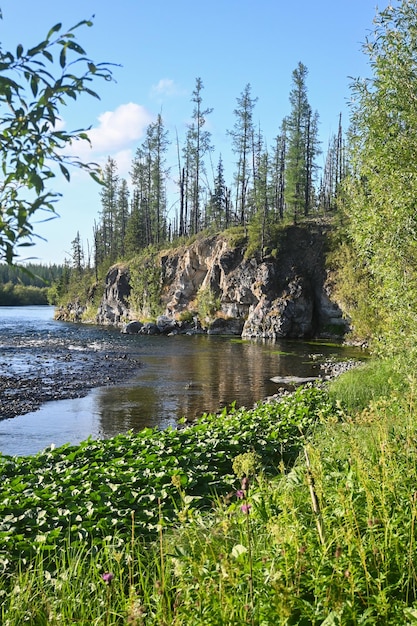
(371,380)
(300,512)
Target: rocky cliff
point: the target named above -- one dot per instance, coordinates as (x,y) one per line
(284,294)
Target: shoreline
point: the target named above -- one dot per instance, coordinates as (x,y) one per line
(63,376)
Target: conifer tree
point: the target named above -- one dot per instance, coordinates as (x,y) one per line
(334,171)
(109,197)
(242,145)
(77,254)
(217,212)
(149,174)
(302,147)
(198,144)
(122,216)
(278,171)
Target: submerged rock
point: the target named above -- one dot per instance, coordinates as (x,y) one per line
(294,380)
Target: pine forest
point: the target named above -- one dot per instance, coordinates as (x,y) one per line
(269,183)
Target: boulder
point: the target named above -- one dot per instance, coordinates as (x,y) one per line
(166,324)
(226,326)
(132,328)
(150,329)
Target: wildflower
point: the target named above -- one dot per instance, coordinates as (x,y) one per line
(245,483)
(373,521)
(107,577)
(240,494)
(245,508)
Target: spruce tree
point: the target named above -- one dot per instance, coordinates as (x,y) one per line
(109,196)
(242,144)
(278,170)
(197,146)
(217,213)
(149,175)
(122,216)
(302,147)
(77,253)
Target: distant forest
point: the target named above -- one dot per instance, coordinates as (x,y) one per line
(29,285)
(270,184)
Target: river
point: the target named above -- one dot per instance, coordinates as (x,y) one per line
(179,376)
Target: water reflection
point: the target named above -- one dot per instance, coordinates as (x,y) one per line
(187,376)
(180,376)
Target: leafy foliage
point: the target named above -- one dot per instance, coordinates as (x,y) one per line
(90,491)
(207,304)
(145,281)
(34,85)
(254,555)
(380,194)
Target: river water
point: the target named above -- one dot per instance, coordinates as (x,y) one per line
(179,376)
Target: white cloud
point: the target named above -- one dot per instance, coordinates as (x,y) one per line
(117,129)
(165,87)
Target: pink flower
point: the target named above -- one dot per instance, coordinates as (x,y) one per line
(240,494)
(245,508)
(107,577)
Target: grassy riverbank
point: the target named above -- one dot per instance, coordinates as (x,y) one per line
(164,528)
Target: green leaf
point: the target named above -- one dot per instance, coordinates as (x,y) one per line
(54,29)
(48,55)
(65,172)
(63,56)
(34,51)
(92,93)
(72,45)
(34,83)
(82,23)
(97,178)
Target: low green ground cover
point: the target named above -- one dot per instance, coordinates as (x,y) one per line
(292,513)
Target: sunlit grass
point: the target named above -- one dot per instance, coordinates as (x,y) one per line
(327,538)
(371,380)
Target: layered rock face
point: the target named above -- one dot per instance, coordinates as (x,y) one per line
(114,306)
(285,295)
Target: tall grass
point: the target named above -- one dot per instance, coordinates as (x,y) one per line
(373,379)
(256,555)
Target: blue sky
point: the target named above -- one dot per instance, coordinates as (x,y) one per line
(162,47)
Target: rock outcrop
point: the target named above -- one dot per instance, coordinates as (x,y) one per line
(281,295)
(114,306)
